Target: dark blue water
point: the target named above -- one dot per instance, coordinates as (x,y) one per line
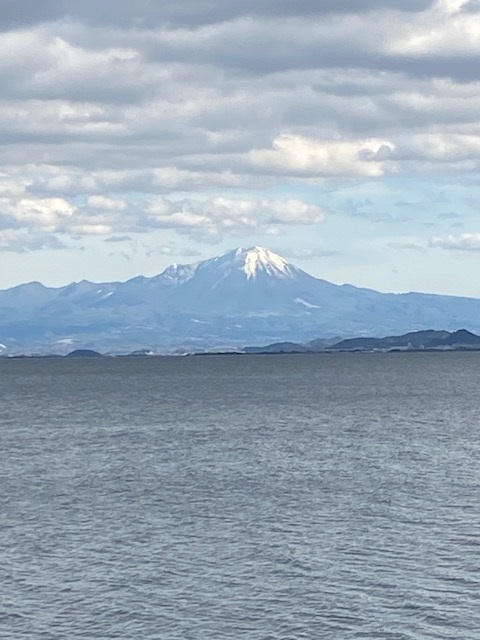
(256,497)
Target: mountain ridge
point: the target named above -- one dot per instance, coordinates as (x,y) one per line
(241,297)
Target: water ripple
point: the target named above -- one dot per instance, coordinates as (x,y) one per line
(256,498)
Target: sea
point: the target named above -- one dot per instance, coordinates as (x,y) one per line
(276,497)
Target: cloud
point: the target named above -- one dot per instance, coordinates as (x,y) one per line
(189,13)
(220,216)
(211,218)
(25,242)
(292,212)
(308,253)
(50,214)
(367,210)
(110,111)
(90,229)
(444,32)
(462,242)
(172,250)
(407,246)
(452,149)
(449,216)
(303,156)
(473,6)
(106,204)
(119,239)
(176,104)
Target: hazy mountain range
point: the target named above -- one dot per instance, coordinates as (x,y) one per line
(246,296)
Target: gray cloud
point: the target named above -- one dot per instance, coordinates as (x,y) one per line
(449,216)
(189,13)
(367,211)
(473,6)
(27,242)
(407,246)
(115,239)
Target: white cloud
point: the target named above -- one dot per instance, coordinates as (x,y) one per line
(48,213)
(90,229)
(444,31)
(232,216)
(293,212)
(214,217)
(324,158)
(108,204)
(461,242)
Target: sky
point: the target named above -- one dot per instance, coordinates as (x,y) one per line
(342,134)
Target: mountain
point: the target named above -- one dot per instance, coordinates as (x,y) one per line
(246,296)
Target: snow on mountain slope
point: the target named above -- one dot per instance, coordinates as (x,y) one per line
(257,260)
(177,274)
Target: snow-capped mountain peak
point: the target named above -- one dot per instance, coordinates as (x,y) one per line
(257,259)
(247,262)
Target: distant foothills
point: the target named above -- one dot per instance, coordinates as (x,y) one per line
(244,297)
(430,340)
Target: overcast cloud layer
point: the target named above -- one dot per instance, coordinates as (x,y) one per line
(134,133)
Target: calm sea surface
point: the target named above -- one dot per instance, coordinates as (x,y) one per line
(248,497)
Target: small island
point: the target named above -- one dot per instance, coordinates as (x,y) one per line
(83,353)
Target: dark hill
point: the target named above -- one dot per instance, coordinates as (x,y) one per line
(83,353)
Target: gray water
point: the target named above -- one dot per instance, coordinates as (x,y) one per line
(248,497)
